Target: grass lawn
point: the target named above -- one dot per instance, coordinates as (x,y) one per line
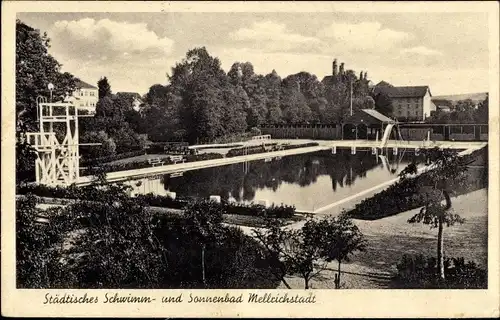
(254,222)
(389,238)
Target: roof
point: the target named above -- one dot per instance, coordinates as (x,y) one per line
(84,85)
(403,92)
(383,84)
(377,115)
(368,117)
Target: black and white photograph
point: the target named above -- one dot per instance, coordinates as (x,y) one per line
(246,156)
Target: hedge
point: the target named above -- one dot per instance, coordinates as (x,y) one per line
(419,272)
(92,193)
(261,149)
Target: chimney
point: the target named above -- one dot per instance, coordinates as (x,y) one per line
(361,75)
(334,68)
(341,70)
(366,75)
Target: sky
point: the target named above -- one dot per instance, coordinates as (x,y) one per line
(446,51)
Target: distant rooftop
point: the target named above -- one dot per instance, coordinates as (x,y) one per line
(84,85)
(401,92)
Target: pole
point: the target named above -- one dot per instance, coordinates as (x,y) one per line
(350,100)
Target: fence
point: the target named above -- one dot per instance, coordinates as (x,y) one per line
(410,132)
(309,131)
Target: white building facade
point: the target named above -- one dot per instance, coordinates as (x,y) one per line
(85,97)
(409,103)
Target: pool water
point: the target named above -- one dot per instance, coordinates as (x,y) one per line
(307,181)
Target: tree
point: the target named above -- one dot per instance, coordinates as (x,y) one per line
(273,94)
(204,220)
(383,103)
(291,252)
(482,111)
(339,238)
(447,172)
(25,161)
(107,147)
(162,113)
(35,69)
(104,88)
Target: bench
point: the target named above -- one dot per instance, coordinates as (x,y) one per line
(155,162)
(176,159)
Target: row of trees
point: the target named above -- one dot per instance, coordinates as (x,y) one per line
(202,102)
(463,111)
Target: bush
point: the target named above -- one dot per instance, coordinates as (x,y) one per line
(419,272)
(203,156)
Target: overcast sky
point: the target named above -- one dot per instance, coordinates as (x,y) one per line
(447,51)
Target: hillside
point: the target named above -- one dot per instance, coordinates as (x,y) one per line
(476,97)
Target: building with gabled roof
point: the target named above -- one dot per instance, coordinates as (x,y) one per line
(85,96)
(410,103)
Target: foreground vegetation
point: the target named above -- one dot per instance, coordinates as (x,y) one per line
(114,242)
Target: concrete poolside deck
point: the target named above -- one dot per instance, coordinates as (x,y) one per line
(322,145)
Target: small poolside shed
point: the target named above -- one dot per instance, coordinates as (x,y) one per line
(365,124)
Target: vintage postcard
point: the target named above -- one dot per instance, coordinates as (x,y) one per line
(250,159)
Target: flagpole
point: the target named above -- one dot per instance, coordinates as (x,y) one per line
(350,102)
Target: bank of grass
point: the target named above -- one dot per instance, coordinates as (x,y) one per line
(388,239)
(404,194)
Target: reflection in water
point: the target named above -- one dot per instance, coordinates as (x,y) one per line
(308,181)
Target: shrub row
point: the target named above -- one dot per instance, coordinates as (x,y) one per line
(203,156)
(303,145)
(419,272)
(261,149)
(403,195)
(281,211)
(93,193)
